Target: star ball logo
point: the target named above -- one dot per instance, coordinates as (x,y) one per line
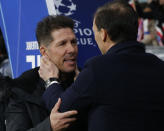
(61,7)
(64,7)
(68,8)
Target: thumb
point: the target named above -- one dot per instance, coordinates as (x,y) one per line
(57,105)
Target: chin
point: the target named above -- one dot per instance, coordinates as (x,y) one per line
(68,70)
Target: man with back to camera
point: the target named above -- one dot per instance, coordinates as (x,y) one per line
(122,90)
(26,111)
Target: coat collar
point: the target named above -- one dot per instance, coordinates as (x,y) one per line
(28,81)
(126,46)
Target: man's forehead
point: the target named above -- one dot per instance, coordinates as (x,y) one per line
(62,30)
(63,33)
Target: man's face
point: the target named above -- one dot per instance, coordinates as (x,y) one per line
(63,50)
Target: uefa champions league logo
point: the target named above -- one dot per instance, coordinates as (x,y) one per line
(68,8)
(64,7)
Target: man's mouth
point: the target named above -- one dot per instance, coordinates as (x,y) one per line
(70,61)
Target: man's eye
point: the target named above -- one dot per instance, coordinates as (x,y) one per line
(74,41)
(62,43)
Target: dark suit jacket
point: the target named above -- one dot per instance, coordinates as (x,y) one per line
(122,90)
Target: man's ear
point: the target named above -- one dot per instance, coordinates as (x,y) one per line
(103,34)
(42,50)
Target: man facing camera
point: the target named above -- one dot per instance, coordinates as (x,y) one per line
(122,90)
(26,110)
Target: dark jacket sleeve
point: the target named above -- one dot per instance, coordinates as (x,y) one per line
(78,96)
(17,119)
(51,95)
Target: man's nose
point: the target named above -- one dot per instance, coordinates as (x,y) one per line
(71,47)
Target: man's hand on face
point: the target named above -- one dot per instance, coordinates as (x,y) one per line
(76,73)
(47,69)
(59,120)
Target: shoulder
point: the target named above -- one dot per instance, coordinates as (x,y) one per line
(29,75)
(6,84)
(28,80)
(101,60)
(93,60)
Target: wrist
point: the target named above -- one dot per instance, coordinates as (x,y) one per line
(51,81)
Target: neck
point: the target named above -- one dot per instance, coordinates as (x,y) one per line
(108,46)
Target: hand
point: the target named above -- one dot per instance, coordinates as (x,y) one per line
(59,120)
(76,73)
(47,69)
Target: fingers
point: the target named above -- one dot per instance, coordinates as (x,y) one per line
(44,63)
(68,120)
(45,59)
(66,126)
(65,114)
(69,113)
(59,120)
(57,105)
(76,72)
(46,55)
(47,68)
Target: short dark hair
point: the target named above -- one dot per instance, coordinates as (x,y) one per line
(49,24)
(119,19)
